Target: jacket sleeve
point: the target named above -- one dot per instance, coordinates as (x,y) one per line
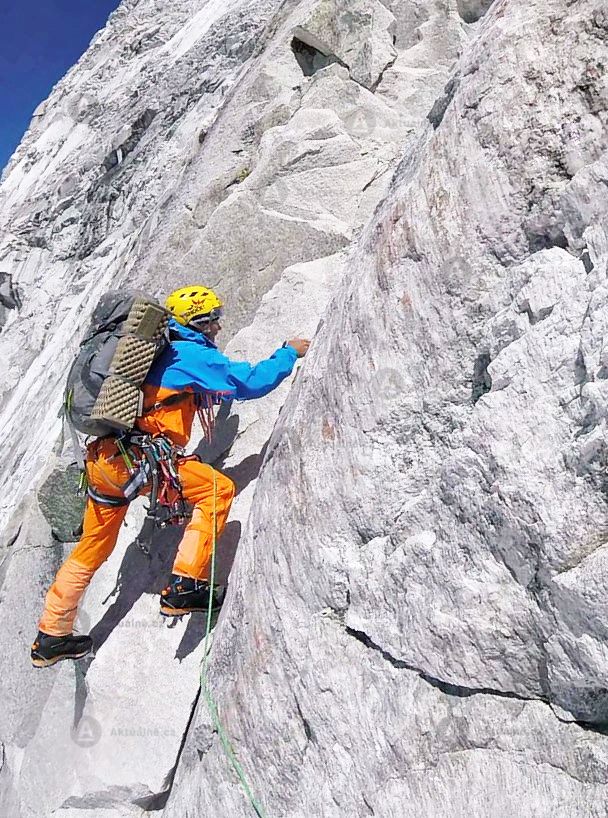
(258,380)
(214,372)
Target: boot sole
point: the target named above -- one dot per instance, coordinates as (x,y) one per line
(165,611)
(48,662)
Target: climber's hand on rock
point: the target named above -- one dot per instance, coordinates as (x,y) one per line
(300,345)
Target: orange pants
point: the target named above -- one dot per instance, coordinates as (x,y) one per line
(107,472)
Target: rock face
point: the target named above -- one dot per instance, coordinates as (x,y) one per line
(415,619)
(428,533)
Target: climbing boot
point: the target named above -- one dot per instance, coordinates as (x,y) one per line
(186,595)
(47,650)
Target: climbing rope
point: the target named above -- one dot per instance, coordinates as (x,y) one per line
(215,717)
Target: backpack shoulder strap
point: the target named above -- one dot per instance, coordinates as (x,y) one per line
(172,400)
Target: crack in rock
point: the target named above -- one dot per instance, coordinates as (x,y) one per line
(10,297)
(438,111)
(159,800)
(482,380)
(473,10)
(458,691)
(308,731)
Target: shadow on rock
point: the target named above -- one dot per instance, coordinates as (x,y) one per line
(244,472)
(224,434)
(194,634)
(139,574)
(148,574)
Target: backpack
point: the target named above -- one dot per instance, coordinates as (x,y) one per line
(103,395)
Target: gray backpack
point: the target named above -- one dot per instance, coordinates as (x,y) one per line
(103,395)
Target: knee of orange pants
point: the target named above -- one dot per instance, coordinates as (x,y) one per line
(198,483)
(225,488)
(225,491)
(196,547)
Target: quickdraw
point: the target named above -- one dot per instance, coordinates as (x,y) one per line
(158,468)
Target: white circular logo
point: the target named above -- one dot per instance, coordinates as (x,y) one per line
(389,384)
(87,732)
(361,122)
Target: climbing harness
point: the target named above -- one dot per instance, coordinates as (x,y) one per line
(205,689)
(152,463)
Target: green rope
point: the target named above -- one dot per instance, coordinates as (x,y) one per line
(125,455)
(83,483)
(215,717)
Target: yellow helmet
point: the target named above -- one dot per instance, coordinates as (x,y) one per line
(193,302)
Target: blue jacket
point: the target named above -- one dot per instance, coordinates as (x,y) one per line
(193,362)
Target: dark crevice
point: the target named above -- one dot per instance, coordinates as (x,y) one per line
(9,294)
(537,317)
(600,727)
(473,10)
(154,802)
(374,87)
(449,689)
(138,128)
(543,313)
(581,373)
(602,373)
(313,55)
(15,537)
(545,237)
(308,731)
(371,182)
(310,58)
(10,297)
(586,259)
(482,380)
(437,112)
(159,800)
(368,805)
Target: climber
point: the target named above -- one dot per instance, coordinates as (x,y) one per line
(190,369)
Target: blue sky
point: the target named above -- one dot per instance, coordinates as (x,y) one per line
(39,41)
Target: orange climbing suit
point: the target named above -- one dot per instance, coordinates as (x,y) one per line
(107,472)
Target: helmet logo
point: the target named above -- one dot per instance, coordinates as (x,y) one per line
(199,302)
(190,302)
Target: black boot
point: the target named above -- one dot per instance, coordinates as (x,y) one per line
(47,650)
(186,595)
